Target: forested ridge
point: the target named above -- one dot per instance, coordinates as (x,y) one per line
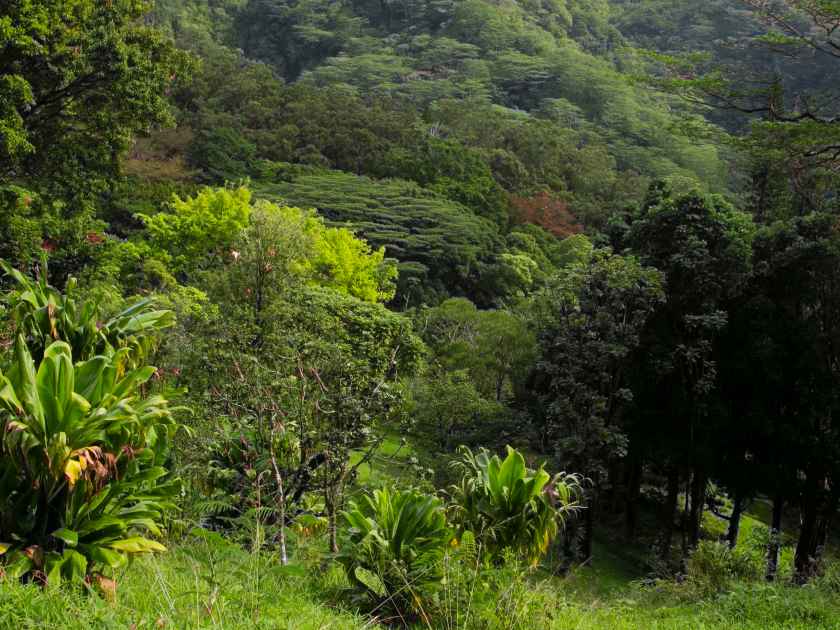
(420,313)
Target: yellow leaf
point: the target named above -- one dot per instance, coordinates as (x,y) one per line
(4,547)
(73,470)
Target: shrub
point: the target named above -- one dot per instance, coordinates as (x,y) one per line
(397,540)
(42,314)
(714,566)
(81,444)
(81,462)
(509,506)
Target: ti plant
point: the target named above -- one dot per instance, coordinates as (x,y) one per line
(43,314)
(508,506)
(82,445)
(80,455)
(397,540)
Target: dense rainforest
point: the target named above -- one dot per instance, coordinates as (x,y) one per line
(449,314)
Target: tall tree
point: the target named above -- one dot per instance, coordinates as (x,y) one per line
(702,246)
(79,79)
(591,316)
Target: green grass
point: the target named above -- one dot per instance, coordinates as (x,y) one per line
(206,582)
(198,584)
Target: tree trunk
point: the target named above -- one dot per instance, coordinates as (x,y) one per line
(281,499)
(825,522)
(333,528)
(775,538)
(735,519)
(807,552)
(668,512)
(614,486)
(698,501)
(684,520)
(631,513)
(588,528)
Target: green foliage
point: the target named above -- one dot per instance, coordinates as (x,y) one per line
(79,78)
(347,264)
(447,411)
(590,321)
(265,242)
(41,314)
(509,506)
(81,467)
(441,245)
(33,225)
(714,567)
(496,347)
(198,230)
(395,548)
(703,248)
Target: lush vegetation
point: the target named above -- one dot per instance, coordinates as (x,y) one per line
(430,314)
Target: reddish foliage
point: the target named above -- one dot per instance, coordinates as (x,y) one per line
(549,212)
(48,246)
(94,238)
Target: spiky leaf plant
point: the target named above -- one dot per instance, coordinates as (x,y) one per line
(396,544)
(509,506)
(44,314)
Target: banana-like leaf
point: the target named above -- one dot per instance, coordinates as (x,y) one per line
(137,544)
(88,379)
(54,381)
(22,376)
(67,536)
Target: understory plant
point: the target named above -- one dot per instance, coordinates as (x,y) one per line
(509,506)
(395,548)
(82,442)
(43,314)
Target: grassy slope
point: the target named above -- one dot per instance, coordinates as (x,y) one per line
(207,582)
(195,585)
(207,585)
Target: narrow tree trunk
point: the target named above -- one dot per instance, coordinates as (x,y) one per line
(684,520)
(668,512)
(332,526)
(631,511)
(614,484)
(698,501)
(805,558)
(281,498)
(735,519)
(775,538)
(825,522)
(588,526)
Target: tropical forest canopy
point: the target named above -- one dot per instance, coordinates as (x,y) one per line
(434,311)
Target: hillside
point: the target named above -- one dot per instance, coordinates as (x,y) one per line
(472,314)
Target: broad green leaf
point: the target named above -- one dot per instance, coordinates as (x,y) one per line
(22,376)
(88,378)
(68,536)
(55,380)
(104,556)
(137,544)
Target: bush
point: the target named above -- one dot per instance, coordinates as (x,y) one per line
(82,444)
(509,506)
(81,464)
(396,545)
(714,566)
